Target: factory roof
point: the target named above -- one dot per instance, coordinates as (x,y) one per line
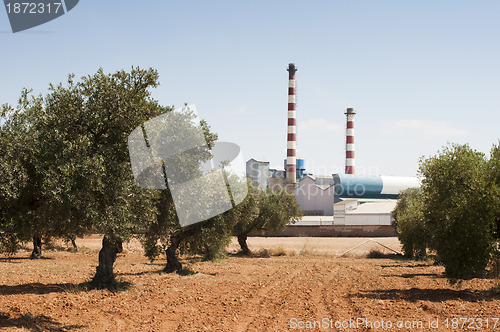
(324,180)
(323,187)
(258,160)
(321,180)
(347,201)
(374,208)
(314,181)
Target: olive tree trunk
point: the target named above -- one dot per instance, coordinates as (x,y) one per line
(37,247)
(107,256)
(73,243)
(242,240)
(209,252)
(173,264)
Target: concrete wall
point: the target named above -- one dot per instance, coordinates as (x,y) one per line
(334,231)
(367,219)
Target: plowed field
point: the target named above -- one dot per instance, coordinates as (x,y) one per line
(308,287)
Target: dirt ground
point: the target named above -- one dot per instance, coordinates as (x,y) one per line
(308,287)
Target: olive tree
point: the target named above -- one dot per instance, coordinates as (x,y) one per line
(21,182)
(165,234)
(459,208)
(493,174)
(70,148)
(409,223)
(265,210)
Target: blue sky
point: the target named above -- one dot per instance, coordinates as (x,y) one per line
(418,73)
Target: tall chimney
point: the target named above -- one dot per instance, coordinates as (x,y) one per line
(349,142)
(291,145)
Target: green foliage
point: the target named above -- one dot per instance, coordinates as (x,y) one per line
(266,210)
(410,224)
(493,175)
(66,158)
(208,238)
(213,236)
(277,210)
(459,207)
(247,211)
(20,181)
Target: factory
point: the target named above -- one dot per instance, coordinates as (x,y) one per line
(334,204)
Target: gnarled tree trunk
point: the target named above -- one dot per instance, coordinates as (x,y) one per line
(209,252)
(111,246)
(242,240)
(37,247)
(73,243)
(173,264)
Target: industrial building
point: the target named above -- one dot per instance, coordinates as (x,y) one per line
(258,172)
(343,203)
(348,199)
(316,195)
(351,212)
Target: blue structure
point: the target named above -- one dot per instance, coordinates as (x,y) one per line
(356,186)
(301,167)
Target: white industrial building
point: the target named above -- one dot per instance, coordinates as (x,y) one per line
(338,199)
(258,172)
(357,212)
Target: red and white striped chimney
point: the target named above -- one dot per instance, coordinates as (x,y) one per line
(349,142)
(291,145)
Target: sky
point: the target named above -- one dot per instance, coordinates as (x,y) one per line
(419,74)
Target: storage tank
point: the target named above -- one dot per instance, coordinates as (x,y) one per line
(301,164)
(359,186)
(300,167)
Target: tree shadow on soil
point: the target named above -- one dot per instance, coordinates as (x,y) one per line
(17,258)
(183,272)
(376,254)
(412,275)
(35,323)
(38,288)
(433,295)
(142,273)
(186,271)
(10,259)
(263,253)
(406,266)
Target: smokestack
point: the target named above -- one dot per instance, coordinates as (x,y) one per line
(291,145)
(349,142)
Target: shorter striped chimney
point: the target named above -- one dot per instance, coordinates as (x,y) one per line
(349,142)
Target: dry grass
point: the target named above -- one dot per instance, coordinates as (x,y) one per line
(314,247)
